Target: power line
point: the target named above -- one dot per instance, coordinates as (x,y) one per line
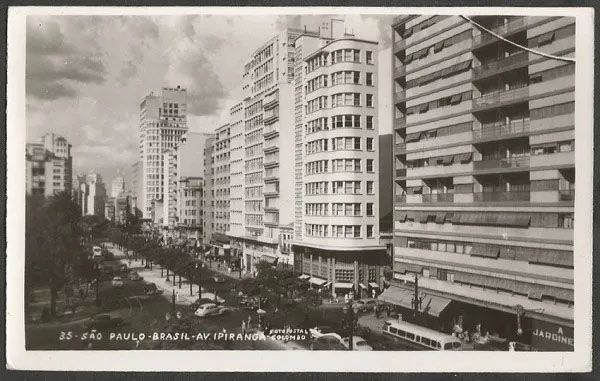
(567,59)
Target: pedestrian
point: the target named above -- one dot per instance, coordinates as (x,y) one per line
(177,296)
(387,310)
(243,327)
(373,292)
(249,321)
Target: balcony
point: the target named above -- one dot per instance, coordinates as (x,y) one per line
(438,197)
(399,122)
(400,149)
(399,71)
(500,130)
(270,145)
(400,198)
(500,66)
(399,45)
(270,116)
(400,96)
(506,163)
(271,161)
(502,30)
(500,196)
(566,195)
(270,100)
(500,98)
(401,172)
(270,130)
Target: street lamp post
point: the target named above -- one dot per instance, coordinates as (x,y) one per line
(350,313)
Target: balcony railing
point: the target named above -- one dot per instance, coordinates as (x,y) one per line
(497,97)
(497,130)
(400,122)
(504,64)
(399,96)
(501,196)
(438,197)
(400,198)
(400,149)
(399,71)
(501,30)
(566,194)
(506,163)
(401,172)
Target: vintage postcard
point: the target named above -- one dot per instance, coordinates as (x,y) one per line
(374,189)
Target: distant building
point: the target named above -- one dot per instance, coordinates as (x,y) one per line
(94,195)
(109,209)
(49,166)
(190,213)
(117,186)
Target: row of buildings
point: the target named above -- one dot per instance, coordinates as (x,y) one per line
(481,171)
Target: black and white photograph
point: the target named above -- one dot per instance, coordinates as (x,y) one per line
(188,181)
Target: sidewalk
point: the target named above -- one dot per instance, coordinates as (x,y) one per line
(162,284)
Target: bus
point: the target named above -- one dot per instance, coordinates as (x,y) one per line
(421,336)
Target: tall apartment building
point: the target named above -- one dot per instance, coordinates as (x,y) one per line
(93,195)
(163,120)
(189,201)
(262,164)
(117,186)
(337,215)
(484,173)
(170,184)
(49,166)
(208,202)
(236,178)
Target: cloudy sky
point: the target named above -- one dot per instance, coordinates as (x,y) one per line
(86,75)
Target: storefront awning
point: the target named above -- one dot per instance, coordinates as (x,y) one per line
(373,284)
(342,285)
(317,281)
(327,284)
(267,258)
(362,286)
(434,305)
(304,277)
(395,295)
(431,304)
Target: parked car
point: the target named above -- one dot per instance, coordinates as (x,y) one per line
(96,252)
(319,331)
(219,279)
(364,305)
(117,281)
(327,342)
(209,309)
(358,344)
(151,289)
(103,321)
(134,276)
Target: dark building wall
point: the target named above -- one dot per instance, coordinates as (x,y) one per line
(385,175)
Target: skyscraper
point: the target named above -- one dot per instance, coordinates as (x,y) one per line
(163,120)
(117,186)
(49,166)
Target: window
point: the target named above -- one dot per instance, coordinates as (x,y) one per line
(369,122)
(369,231)
(369,144)
(369,165)
(369,57)
(369,101)
(370,189)
(369,81)
(369,209)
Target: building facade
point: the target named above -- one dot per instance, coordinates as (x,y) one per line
(338,185)
(163,120)
(117,186)
(189,201)
(49,166)
(484,170)
(94,195)
(236,179)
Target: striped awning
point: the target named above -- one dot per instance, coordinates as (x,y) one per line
(317,281)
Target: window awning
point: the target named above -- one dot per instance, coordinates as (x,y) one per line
(449,217)
(438,46)
(545,38)
(552,257)
(304,277)
(362,286)
(327,284)
(412,137)
(408,59)
(317,281)
(343,285)
(408,32)
(440,218)
(483,250)
(373,284)
(463,157)
(423,218)
(513,220)
(447,159)
(401,217)
(423,108)
(464,65)
(535,294)
(455,99)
